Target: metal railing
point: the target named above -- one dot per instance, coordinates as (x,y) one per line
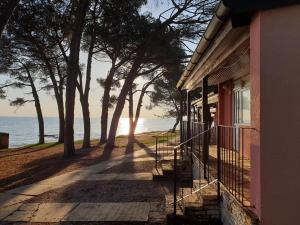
(192,158)
(164,144)
(226,160)
(233,151)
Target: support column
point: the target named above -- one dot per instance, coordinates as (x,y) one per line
(194,113)
(188,114)
(275,110)
(181,115)
(205,120)
(198,114)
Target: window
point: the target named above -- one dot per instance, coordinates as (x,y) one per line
(241,103)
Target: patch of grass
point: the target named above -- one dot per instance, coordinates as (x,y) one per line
(32,147)
(39,146)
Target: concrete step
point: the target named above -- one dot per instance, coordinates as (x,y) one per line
(207,211)
(168,168)
(159,174)
(184,220)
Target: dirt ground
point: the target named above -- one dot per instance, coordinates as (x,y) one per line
(37,162)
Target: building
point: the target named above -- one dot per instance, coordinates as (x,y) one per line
(247,68)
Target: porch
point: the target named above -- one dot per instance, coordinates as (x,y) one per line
(227,159)
(202,179)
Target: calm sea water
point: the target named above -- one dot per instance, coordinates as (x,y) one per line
(24,130)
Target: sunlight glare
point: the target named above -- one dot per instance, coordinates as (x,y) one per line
(123,128)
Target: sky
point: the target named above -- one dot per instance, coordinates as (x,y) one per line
(99,70)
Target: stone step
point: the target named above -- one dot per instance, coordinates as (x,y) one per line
(186,183)
(206,212)
(184,220)
(167,168)
(157,173)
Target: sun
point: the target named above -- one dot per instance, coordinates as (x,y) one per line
(123,128)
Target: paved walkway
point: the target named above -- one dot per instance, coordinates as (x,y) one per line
(16,204)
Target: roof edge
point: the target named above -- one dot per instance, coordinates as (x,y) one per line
(221,14)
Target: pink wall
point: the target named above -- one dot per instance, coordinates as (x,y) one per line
(245,137)
(225,103)
(275,104)
(225,115)
(255,113)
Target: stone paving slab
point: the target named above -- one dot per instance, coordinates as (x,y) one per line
(6,211)
(19,216)
(120,176)
(23,213)
(32,189)
(8,199)
(41,212)
(56,212)
(52,212)
(125,212)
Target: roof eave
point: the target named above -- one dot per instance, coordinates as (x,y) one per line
(213,27)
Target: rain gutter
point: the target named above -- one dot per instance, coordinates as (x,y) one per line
(213,27)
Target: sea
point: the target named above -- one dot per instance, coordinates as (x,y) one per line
(24,130)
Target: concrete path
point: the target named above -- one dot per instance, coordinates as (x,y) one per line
(13,208)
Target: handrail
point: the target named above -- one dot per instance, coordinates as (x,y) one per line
(199,189)
(182,143)
(166,136)
(193,192)
(241,126)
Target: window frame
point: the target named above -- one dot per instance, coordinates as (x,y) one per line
(240,86)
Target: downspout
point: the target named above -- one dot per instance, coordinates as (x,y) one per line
(213,27)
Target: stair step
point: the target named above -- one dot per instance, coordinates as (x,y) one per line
(167,167)
(157,173)
(184,220)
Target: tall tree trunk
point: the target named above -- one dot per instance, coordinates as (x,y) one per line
(176,123)
(61,117)
(84,94)
(138,109)
(140,103)
(105,103)
(6,13)
(58,91)
(121,101)
(84,97)
(59,101)
(72,73)
(60,104)
(130,110)
(178,114)
(86,122)
(37,107)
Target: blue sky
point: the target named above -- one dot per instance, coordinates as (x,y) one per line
(99,70)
